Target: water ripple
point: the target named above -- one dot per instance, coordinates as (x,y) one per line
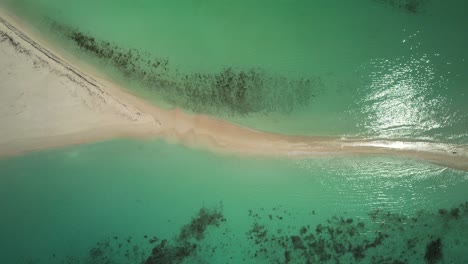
(382,182)
(406,97)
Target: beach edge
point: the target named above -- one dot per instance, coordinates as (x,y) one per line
(145,120)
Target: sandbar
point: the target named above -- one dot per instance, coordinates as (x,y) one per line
(49,99)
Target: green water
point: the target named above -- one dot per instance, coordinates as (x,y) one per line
(61,203)
(377,70)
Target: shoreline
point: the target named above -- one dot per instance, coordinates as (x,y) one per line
(110,112)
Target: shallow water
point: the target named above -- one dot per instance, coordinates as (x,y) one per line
(56,205)
(376,69)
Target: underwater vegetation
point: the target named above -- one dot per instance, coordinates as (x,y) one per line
(383,237)
(186,243)
(410,6)
(277,236)
(151,249)
(230,90)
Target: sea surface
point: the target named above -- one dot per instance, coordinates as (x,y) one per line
(392,69)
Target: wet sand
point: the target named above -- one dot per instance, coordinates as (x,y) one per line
(50,100)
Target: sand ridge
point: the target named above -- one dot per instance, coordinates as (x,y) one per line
(51,100)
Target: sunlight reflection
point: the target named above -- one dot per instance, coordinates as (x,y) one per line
(402,98)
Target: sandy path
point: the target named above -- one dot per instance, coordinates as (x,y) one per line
(47,101)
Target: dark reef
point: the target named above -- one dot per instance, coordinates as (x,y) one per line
(197,227)
(181,248)
(231,91)
(410,6)
(186,244)
(384,237)
(276,236)
(433,251)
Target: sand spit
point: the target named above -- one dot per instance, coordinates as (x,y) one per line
(46,101)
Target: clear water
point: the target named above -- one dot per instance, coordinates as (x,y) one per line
(377,69)
(58,204)
(381,71)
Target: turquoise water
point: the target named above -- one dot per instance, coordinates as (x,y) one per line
(377,68)
(368,68)
(57,205)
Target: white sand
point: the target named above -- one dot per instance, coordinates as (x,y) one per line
(49,100)
(43,104)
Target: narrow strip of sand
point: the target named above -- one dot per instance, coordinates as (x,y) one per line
(47,101)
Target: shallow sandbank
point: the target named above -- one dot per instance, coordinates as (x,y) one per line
(50,100)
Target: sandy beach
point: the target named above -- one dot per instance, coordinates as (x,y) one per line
(50,100)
